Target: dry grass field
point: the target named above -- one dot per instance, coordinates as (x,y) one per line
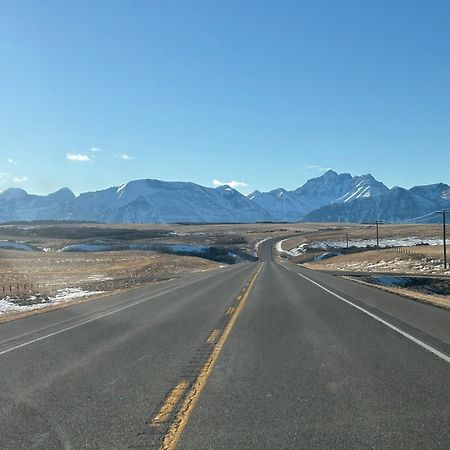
(357,232)
(31,281)
(92,271)
(46,272)
(43,274)
(424,259)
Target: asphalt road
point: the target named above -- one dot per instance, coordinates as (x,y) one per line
(262,355)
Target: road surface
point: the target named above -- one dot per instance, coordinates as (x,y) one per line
(262,355)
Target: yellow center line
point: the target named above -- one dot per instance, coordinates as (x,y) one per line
(173,435)
(170,403)
(213,336)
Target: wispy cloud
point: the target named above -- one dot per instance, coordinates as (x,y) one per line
(233,184)
(78,157)
(125,157)
(20,179)
(317,168)
(96,149)
(11,161)
(7,178)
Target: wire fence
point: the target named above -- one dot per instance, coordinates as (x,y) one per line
(413,253)
(310,256)
(22,288)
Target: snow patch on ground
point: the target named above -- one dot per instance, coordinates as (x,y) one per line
(10,304)
(67,294)
(280,249)
(359,243)
(293,251)
(411,265)
(258,244)
(99,277)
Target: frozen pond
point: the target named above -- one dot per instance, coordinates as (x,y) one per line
(212,253)
(165,248)
(12,245)
(219,254)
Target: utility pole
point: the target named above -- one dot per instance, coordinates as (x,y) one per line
(444,238)
(378,222)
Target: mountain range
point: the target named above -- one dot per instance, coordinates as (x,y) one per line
(332,197)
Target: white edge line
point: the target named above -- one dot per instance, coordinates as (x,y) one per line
(24,344)
(422,344)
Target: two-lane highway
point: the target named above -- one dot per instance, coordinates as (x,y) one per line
(263,356)
(92,375)
(304,369)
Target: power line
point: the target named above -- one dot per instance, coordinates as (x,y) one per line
(414,219)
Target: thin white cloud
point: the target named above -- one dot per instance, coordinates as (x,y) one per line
(20,179)
(11,161)
(125,157)
(96,149)
(78,157)
(233,184)
(7,178)
(318,168)
(4,176)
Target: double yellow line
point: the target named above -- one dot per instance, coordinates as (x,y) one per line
(178,425)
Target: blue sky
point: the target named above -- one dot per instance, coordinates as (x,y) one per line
(267,93)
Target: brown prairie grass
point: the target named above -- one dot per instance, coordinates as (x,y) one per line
(325,232)
(418,259)
(95,271)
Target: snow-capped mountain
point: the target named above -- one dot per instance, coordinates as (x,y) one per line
(157,201)
(332,187)
(396,205)
(281,205)
(327,189)
(142,201)
(17,204)
(330,197)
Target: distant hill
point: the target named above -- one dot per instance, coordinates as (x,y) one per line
(331,197)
